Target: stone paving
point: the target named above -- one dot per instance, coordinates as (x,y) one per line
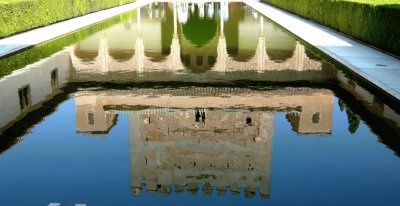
(378,68)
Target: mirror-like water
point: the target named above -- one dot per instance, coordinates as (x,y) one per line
(198,104)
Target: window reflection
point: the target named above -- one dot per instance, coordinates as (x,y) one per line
(24,94)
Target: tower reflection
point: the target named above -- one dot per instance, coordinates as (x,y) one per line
(222,140)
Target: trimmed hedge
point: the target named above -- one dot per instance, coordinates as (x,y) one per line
(374,22)
(22,15)
(30,56)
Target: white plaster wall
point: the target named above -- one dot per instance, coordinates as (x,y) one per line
(38,77)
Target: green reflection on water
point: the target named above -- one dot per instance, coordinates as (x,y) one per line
(199,31)
(30,56)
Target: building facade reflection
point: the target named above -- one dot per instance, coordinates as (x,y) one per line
(26,89)
(182,139)
(196,137)
(171,151)
(178,36)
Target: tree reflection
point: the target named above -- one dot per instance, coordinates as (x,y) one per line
(352,118)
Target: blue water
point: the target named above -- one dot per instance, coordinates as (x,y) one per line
(150,103)
(55,164)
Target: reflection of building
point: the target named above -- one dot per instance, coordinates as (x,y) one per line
(188,139)
(91,117)
(314,119)
(309,110)
(179,140)
(169,147)
(24,90)
(200,42)
(172,151)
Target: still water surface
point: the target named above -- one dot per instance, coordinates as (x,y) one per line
(191,104)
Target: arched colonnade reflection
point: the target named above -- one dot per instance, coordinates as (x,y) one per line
(145,53)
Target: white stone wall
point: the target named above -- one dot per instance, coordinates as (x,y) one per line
(38,77)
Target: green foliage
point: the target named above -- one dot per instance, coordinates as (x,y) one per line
(22,15)
(342,105)
(199,31)
(386,3)
(374,22)
(352,118)
(21,59)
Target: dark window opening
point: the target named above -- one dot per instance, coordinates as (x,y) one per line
(54,78)
(315,117)
(199,60)
(186,59)
(248,120)
(197,116)
(90,117)
(211,60)
(24,94)
(200,114)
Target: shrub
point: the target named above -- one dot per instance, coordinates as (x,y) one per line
(22,15)
(374,22)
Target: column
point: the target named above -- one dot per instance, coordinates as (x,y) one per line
(139,47)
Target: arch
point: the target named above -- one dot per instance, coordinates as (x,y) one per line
(85,55)
(241,33)
(198,63)
(121,55)
(155,56)
(199,31)
(242,55)
(280,45)
(167,31)
(279,55)
(311,55)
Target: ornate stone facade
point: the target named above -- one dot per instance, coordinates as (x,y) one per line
(203,138)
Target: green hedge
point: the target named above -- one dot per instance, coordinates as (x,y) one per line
(22,15)
(374,22)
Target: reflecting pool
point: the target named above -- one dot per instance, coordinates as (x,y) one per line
(192,103)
